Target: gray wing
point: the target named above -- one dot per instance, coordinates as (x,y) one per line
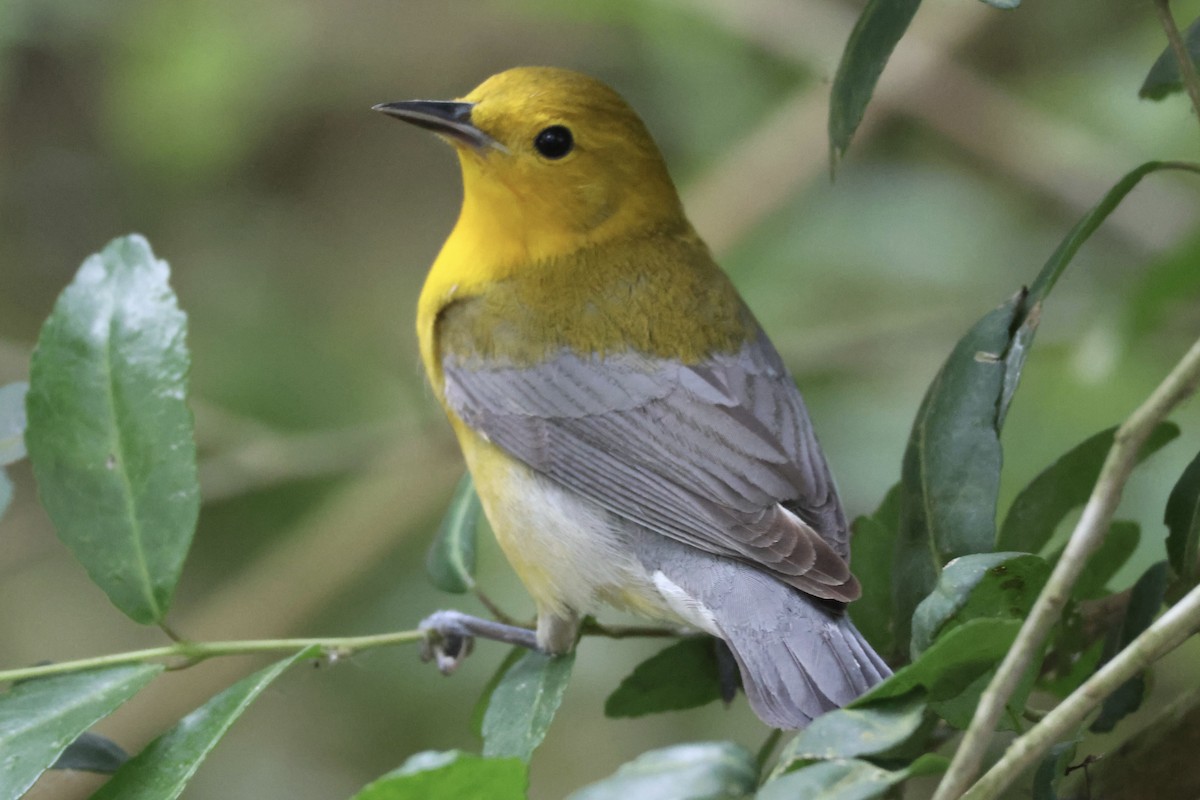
(720,456)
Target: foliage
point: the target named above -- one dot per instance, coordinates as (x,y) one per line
(948,578)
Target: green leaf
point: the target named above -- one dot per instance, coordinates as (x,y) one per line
(91,752)
(951,471)
(1145,601)
(846,779)
(950,664)
(851,732)
(40,718)
(1182,518)
(681,676)
(163,768)
(867,51)
(1000,585)
(110,433)
(523,705)
(1063,486)
(451,559)
(873,548)
(701,771)
(12,422)
(1164,77)
(1119,544)
(452,775)
(515,654)
(1093,219)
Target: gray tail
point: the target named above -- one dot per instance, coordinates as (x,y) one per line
(806,661)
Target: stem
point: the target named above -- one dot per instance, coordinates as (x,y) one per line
(1085,540)
(1187,70)
(1172,628)
(190,653)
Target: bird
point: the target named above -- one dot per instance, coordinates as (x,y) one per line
(634,438)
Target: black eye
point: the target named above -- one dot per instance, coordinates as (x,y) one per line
(554,142)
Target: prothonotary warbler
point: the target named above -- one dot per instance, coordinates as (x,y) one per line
(634,437)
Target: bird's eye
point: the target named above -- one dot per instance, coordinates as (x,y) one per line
(554,142)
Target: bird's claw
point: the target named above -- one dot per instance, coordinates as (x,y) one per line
(447,640)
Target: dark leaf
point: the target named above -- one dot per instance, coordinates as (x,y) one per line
(702,771)
(867,51)
(1119,544)
(110,433)
(951,471)
(40,718)
(1182,518)
(452,775)
(451,559)
(163,768)
(846,779)
(1000,585)
(1052,770)
(873,548)
(681,676)
(12,422)
(91,752)
(1063,486)
(523,705)
(1164,77)
(1145,601)
(950,664)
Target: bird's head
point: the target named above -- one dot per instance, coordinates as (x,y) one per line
(553,156)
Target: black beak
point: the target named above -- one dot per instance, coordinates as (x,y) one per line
(446,117)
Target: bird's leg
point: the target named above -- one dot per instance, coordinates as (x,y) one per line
(450,635)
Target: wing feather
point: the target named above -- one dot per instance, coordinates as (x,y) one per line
(719,455)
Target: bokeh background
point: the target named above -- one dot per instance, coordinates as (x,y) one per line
(238,137)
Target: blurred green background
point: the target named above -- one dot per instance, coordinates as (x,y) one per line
(238,138)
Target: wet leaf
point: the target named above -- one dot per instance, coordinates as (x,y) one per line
(846,779)
(39,719)
(703,771)
(852,732)
(110,434)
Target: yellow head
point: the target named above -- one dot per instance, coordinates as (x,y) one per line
(552,161)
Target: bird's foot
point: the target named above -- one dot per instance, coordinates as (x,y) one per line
(450,636)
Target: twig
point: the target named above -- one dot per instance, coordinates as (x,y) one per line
(1187,70)
(1087,537)
(1172,628)
(190,653)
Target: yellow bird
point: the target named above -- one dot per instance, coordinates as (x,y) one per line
(634,437)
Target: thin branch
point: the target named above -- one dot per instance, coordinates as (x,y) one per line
(1172,628)
(1187,70)
(189,653)
(1086,539)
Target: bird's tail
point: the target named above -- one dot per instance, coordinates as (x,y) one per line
(806,661)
